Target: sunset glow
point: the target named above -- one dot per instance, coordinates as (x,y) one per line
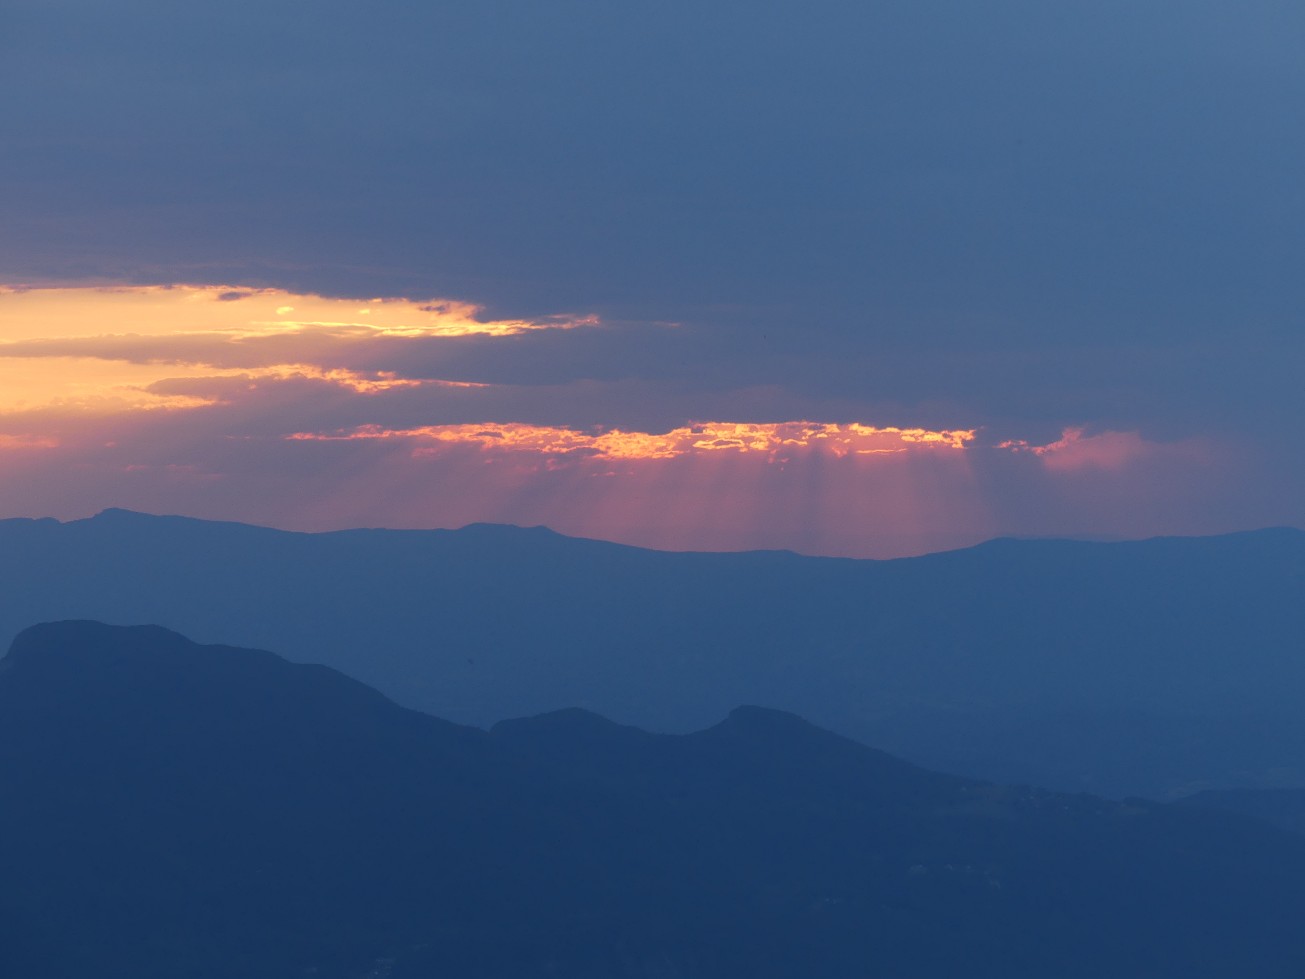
(1077,450)
(312,412)
(103,348)
(957,283)
(54,312)
(709,437)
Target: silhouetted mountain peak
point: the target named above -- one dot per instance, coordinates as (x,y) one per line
(120,516)
(122,513)
(569,722)
(62,645)
(91,637)
(88,670)
(536,530)
(764,724)
(749,716)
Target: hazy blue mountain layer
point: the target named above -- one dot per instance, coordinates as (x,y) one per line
(1284,808)
(179,810)
(1156,668)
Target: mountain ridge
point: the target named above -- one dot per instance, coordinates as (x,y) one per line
(1092,666)
(267,827)
(125,513)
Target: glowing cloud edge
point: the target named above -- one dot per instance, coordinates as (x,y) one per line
(702,437)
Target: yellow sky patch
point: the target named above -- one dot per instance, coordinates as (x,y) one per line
(49,315)
(43,313)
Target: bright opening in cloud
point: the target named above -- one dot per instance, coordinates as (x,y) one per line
(103,348)
(50,312)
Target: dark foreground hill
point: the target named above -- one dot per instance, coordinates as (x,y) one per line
(1150,668)
(173,810)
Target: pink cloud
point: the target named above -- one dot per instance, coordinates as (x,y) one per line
(1075,450)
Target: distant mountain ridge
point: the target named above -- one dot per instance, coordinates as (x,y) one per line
(182,810)
(1284,808)
(1150,667)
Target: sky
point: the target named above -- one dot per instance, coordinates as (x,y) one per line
(863,279)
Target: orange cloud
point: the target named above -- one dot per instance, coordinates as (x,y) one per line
(90,387)
(849,489)
(770,439)
(51,312)
(103,349)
